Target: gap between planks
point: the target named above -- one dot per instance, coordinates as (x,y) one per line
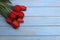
(31,35)
(37,26)
(41,6)
(42,16)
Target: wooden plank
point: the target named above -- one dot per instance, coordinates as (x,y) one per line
(52,11)
(37,2)
(29,38)
(43,11)
(33,26)
(35,21)
(30,31)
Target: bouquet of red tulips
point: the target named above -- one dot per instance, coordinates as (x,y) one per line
(14,14)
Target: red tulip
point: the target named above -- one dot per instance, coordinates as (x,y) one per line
(17,8)
(23,8)
(21,15)
(9,20)
(20,20)
(15,24)
(12,15)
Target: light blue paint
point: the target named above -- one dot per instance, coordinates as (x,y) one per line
(37,2)
(43,11)
(30,31)
(30,38)
(49,25)
(34,21)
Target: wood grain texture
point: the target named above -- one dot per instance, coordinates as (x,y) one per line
(42,12)
(35,21)
(29,38)
(32,26)
(37,2)
(30,31)
(42,21)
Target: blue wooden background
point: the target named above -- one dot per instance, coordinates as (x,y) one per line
(42,21)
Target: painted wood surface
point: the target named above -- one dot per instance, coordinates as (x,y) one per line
(43,11)
(42,21)
(35,21)
(30,38)
(37,2)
